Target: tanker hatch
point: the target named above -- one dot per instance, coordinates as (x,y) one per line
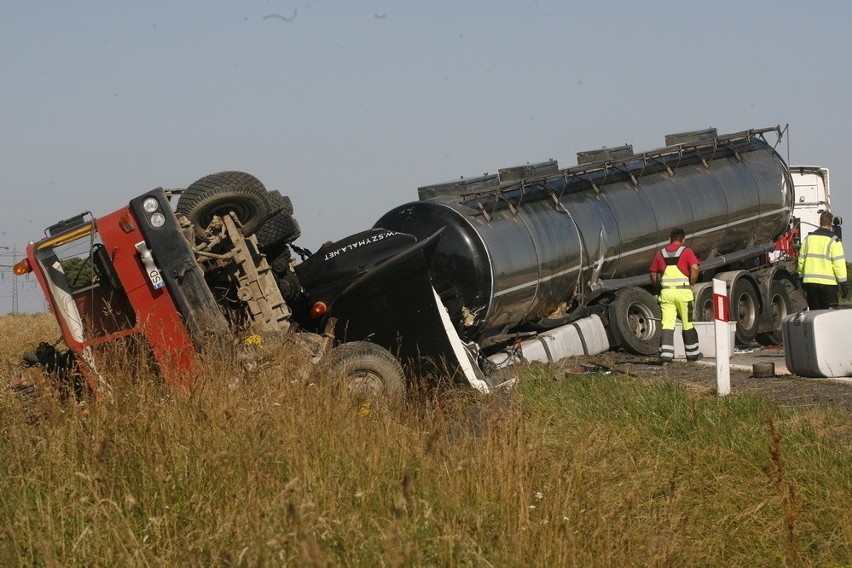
(691,137)
(527,171)
(604,154)
(458,187)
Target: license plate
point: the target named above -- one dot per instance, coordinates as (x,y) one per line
(151,269)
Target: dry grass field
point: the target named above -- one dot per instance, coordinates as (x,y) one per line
(279,469)
(22,332)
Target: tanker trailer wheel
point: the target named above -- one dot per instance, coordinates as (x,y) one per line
(779,302)
(280,230)
(218,194)
(368,372)
(703,309)
(634,318)
(745,305)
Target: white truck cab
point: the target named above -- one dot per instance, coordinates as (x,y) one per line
(812,195)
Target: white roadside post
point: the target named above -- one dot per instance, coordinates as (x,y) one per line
(721,315)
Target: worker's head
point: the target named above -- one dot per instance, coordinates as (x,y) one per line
(825,219)
(677,235)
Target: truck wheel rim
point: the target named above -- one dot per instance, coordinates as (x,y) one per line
(365,383)
(779,309)
(746,310)
(640,319)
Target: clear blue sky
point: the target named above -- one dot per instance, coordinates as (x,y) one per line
(349,106)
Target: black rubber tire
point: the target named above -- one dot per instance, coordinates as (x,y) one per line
(703,309)
(779,303)
(369,372)
(745,306)
(634,318)
(279,203)
(277,232)
(220,193)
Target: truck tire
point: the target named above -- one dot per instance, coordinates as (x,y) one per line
(220,193)
(369,372)
(279,203)
(634,319)
(703,309)
(745,304)
(276,233)
(779,303)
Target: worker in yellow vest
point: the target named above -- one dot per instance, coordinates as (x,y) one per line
(675,270)
(822,266)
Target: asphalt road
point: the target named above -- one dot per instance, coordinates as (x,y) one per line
(745,359)
(781,386)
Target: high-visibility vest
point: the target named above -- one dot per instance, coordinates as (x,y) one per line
(672,275)
(821,260)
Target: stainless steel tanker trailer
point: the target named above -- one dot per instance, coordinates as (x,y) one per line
(536,247)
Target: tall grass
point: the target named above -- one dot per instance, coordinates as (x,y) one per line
(282,470)
(23,332)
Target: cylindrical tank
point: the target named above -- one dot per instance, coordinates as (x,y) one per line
(513,254)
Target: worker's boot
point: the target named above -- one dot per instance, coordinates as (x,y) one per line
(667,347)
(690,345)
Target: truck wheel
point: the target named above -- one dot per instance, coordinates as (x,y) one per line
(218,194)
(745,305)
(634,317)
(703,309)
(279,231)
(779,302)
(279,203)
(369,372)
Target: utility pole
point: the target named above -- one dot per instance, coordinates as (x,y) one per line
(14,280)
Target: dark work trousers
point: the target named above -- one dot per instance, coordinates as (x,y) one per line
(821,296)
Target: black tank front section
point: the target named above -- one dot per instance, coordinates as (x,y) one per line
(337,264)
(461,268)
